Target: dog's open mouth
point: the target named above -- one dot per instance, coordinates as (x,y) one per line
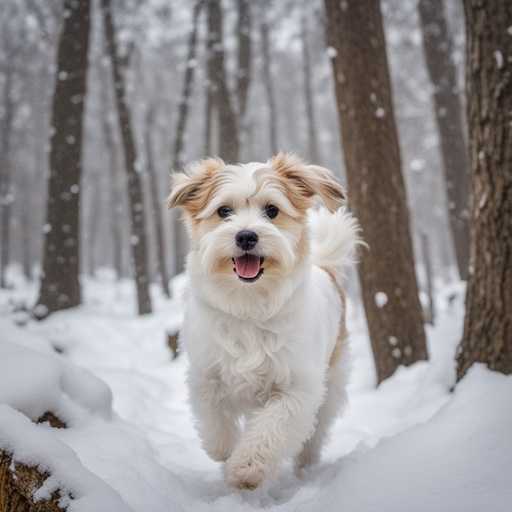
(248,267)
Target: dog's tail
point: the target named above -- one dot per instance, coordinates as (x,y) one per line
(334,240)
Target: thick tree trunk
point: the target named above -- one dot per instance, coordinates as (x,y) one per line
(244,28)
(137,216)
(60,284)
(376,186)
(438,47)
(308,94)
(228,127)
(156,203)
(6,192)
(487,334)
(269,85)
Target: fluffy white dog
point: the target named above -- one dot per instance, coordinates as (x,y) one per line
(265,316)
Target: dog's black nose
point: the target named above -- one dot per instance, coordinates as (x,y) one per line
(246,239)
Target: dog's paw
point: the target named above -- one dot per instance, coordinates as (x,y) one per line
(220,449)
(245,473)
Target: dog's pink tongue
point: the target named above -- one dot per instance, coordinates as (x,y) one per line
(247,265)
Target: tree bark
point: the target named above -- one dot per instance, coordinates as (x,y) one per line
(229,145)
(60,284)
(438,47)
(156,203)
(487,334)
(309,101)
(137,214)
(6,192)
(375,182)
(269,85)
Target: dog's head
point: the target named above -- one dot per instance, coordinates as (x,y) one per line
(247,222)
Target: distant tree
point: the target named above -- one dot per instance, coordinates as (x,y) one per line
(229,144)
(375,183)
(268,82)
(137,213)
(156,201)
(244,69)
(438,48)
(309,101)
(180,237)
(6,192)
(60,284)
(114,166)
(487,334)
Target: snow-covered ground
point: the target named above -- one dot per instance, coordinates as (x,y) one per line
(409,445)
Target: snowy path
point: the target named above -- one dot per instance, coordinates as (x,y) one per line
(149,453)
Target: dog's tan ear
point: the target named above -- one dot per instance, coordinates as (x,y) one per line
(189,189)
(304,182)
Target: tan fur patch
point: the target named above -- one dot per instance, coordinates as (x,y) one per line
(303,182)
(342,332)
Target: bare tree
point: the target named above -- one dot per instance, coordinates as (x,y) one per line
(244,28)
(268,83)
(438,48)
(229,144)
(376,186)
(487,334)
(308,93)
(430,314)
(114,166)
(156,201)
(60,284)
(137,213)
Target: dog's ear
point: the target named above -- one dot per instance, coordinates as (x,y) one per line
(303,182)
(189,189)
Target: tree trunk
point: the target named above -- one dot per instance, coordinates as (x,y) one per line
(376,186)
(115,195)
(487,334)
(308,95)
(6,192)
(438,47)
(269,86)
(244,26)
(60,284)
(138,231)
(156,203)
(228,126)
(430,315)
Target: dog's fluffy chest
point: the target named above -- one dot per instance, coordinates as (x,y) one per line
(251,360)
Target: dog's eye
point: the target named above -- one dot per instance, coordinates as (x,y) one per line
(224,211)
(271,211)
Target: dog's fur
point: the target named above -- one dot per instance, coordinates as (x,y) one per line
(268,359)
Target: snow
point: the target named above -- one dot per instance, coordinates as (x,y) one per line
(130,443)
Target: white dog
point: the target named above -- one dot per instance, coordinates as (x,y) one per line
(265,316)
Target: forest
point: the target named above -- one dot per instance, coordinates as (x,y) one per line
(102,102)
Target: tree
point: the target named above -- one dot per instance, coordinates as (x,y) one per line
(268,83)
(60,284)
(156,203)
(375,183)
(229,144)
(244,28)
(487,336)
(137,213)
(438,47)
(308,93)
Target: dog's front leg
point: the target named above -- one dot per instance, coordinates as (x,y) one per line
(217,424)
(277,430)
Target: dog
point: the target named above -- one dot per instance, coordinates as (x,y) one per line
(264,324)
